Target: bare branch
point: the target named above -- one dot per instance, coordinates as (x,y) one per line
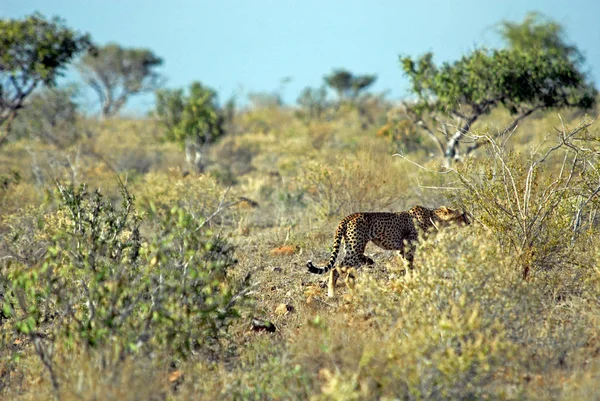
(446,171)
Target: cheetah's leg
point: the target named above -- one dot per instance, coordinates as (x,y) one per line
(349,278)
(354,257)
(410,255)
(333,276)
(408,250)
(355,253)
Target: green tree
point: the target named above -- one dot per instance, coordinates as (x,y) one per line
(116,73)
(33,51)
(523,80)
(194,120)
(347,85)
(538,33)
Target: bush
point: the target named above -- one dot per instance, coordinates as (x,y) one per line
(194,117)
(401,132)
(313,104)
(543,205)
(354,184)
(103,283)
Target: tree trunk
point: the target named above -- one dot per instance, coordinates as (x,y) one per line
(193,155)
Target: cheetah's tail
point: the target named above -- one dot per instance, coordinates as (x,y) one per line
(339,234)
(316,270)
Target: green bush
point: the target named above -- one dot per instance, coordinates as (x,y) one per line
(102,282)
(195,117)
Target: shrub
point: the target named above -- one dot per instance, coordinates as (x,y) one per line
(543,205)
(401,132)
(354,184)
(313,103)
(103,283)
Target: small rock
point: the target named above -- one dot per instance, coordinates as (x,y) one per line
(263,325)
(283,309)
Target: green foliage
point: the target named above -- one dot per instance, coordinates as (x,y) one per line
(313,103)
(484,79)
(536,33)
(102,282)
(116,73)
(50,116)
(33,50)
(522,79)
(195,117)
(347,85)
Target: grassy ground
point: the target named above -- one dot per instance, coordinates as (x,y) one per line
(463,325)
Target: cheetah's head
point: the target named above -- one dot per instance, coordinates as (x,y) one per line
(448,216)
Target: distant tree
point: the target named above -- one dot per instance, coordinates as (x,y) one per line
(193,120)
(346,85)
(33,50)
(312,102)
(522,79)
(265,100)
(116,73)
(49,115)
(537,33)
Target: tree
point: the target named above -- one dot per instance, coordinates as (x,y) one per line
(194,121)
(116,73)
(312,102)
(265,100)
(49,115)
(538,33)
(522,79)
(346,85)
(32,51)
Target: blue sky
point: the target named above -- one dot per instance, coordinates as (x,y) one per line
(242,46)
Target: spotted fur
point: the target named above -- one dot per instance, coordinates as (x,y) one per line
(398,231)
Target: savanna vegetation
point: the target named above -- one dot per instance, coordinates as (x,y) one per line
(164,257)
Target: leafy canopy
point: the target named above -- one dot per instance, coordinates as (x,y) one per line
(33,50)
(116,73)
(538,33)
(347,85)
(483,79)
(532,75)
(196,116)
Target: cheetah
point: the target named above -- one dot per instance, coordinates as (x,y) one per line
(390,231)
